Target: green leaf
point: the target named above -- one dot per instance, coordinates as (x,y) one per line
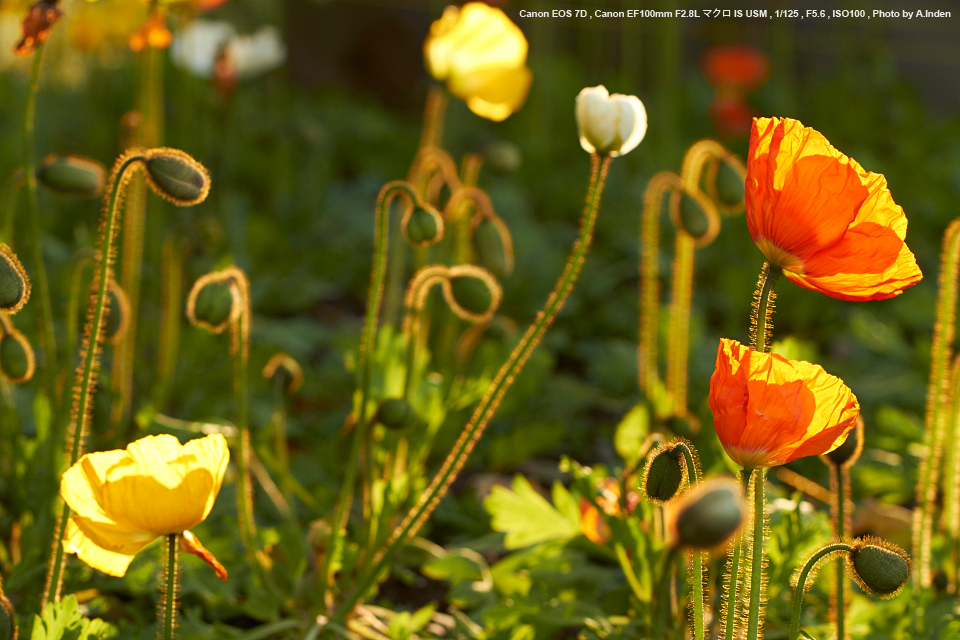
(525,516)
(454,567)
(63,621)
(631,432)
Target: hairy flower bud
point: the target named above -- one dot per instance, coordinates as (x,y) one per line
(213,305)
(880,568)
(14,284)
(664,474)
(395,413)
(610,125)
(708,515)
(422,226)
(286,371)
(474,294)
(72,176)
(176,176)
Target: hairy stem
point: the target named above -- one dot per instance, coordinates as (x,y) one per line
(802,583)
(696,556)
(761,319)
(756,577)
(488,405)
(733,579)
(168,588)
(841,498)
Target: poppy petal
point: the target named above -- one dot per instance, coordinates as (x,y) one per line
(105,548)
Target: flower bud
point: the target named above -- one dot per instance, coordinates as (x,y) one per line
(422,226)
(730,185)
(72,176)
(14,284)
(610,125)
(214,305)
(176,176)
(664,474)
(473,294)
(880,568)
(494,247)
(285,371)
(848,452)
(16,357)
(395,413)
(708,515)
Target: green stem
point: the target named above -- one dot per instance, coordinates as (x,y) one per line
(169,586)
(367,344)
(488,405)
(628,571)
(696,556)
(756,577)
(733,580)
(86,373)
(841,534)
(802,583)
(47,333)
(664,605)
(763,307)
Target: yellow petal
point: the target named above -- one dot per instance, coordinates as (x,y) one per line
(493,93)
(147,504)
(473,38)
(81,485)
(106,548)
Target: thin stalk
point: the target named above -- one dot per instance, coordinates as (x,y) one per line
(841,534)
(756,577)
(664,601)
(952,485)
(367,343)
(85,383)
(678,337)
(802,583)
(168,586)
(488,405)
(733,580)
(628,571)
(47,333)
(696,556)
(761,319)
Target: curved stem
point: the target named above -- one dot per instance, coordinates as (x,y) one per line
(86,372)
(756,577)
(802,583)
(696,556)
(367,344)
(628,571)
(761,324)
(733,580)
(47,333)
(169,587)
(488,405)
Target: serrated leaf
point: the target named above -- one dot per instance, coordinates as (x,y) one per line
(525,516)
(63,621)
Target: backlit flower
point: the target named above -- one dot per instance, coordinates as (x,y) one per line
(610,125)
(153,33)
(831,226)
(36,26)
(125,499)
(482,56)
(201,44)
(768,410)
(737,66)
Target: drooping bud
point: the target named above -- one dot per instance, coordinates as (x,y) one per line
(848,452)
(730,185)
(176,176)
(503,157)
(286,371)
(17,363)
(494,246)
(395,413)
(473,294)
(708,515)
(14,283)
(211,304)
(664,473)
(72,176)
(879,567)
(609,125)
(422,226)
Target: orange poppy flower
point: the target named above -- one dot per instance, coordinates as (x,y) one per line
(36,26)
(736,66)
(768,410)
(831,226)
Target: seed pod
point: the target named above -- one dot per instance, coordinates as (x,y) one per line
(17,363)
(473,293)
(284,368)
(707,516)
(848,452)
(176,176)
(72,176)
(395,413)
(422,226)
(664,473)
(879,567)
(211,304)
(14,283)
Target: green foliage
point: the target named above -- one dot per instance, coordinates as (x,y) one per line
(527,518)
(63,621)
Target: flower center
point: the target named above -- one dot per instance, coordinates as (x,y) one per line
(783,259)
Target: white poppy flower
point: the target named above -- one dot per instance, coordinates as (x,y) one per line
(610,125)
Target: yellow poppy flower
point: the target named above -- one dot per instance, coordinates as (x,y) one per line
(482,56)
(125,499)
